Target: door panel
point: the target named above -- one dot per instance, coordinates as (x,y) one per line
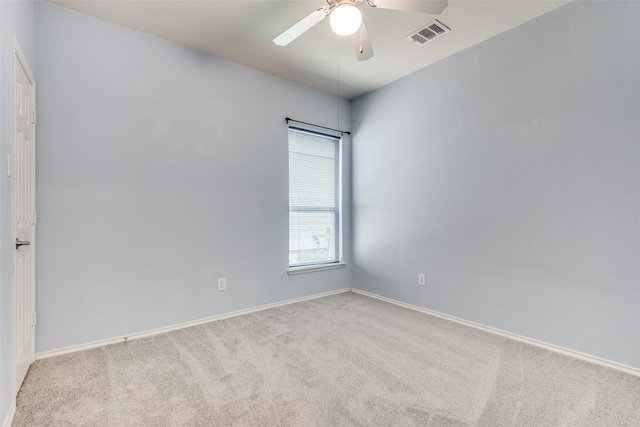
(23,216)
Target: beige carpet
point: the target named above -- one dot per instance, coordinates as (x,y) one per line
(343,360)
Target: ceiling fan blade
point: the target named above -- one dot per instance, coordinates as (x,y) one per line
(302,26)
(362,43)
(434,7)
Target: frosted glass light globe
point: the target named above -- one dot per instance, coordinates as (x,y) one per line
(345,20)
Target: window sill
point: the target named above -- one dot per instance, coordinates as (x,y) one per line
(311,268)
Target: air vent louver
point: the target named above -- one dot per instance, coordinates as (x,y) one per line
(429,32)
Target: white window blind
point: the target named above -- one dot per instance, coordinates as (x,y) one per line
(314,192)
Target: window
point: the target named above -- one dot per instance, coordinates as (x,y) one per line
(314,198)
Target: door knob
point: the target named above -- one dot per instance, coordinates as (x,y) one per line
(22,243)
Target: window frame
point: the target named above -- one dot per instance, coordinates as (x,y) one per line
(337,260)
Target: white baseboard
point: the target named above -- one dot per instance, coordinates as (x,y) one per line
(9,418)
(586,357)
(589,358)
(100,343)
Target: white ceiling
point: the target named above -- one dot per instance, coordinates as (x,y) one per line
(242,31)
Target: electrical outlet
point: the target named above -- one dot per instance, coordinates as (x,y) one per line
(222,284)
(422,281)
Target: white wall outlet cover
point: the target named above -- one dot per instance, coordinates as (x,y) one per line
(222,284)
(422,281)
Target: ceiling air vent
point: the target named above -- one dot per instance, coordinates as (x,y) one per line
(429,32)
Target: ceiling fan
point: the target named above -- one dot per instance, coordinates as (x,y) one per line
(346,20)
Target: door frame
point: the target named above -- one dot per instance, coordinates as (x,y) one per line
(19,59)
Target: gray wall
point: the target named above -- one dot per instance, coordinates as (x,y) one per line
(16,17)
(160,169)
(510,175)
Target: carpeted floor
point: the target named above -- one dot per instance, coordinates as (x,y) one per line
(342,360)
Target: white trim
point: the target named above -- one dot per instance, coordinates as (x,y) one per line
(100,343)
(551,347)
(318,267)
(12,412)
(23,60)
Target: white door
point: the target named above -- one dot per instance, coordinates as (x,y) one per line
(22,173)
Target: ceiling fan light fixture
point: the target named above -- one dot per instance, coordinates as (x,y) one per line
(345,20)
